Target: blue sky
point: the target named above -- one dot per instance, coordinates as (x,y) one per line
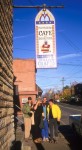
(68,40)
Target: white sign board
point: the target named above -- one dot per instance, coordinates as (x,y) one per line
(45,40)
(24,100)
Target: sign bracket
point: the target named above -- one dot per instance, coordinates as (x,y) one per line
(44,6)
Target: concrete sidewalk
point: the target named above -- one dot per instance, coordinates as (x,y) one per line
(61,145)
(30,145)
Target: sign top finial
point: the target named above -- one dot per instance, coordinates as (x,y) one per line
(44,7)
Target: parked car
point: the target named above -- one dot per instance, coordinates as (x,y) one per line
(75,122)
(73,99)
(57,100)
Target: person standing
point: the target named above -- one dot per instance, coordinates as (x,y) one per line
(45,121)
(54,114)
(37,119)
(27,118)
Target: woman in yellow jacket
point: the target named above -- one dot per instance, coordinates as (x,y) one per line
(54,116)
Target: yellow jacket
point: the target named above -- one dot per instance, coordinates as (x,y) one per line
(56,112)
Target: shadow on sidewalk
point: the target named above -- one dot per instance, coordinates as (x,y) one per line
(16,145)
(39,146)
(74,142)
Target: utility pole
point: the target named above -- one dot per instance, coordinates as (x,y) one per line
(63,84)
(71,89)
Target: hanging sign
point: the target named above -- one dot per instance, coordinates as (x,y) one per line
(45,40)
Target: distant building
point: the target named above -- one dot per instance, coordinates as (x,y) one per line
(39,90)
(78,89)
(24,81)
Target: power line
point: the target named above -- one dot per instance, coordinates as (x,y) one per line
(70,64)
(57,77)
(70,42)
(22,49)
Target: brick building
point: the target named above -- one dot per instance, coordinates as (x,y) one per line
(6,76)
(24,81)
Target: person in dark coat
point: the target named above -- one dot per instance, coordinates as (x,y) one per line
(37,119)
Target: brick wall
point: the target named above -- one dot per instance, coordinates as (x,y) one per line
(6,76)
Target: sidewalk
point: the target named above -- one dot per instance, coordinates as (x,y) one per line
(61,145)
(30,145)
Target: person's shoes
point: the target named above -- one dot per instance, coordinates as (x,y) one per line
(39,140)
(36,141)
(47,139)
(55,140)
(51,141)
(44,139)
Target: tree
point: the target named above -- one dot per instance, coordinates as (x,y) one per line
(49,94)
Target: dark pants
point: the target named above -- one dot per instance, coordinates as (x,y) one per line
(53,128)
(37,130)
